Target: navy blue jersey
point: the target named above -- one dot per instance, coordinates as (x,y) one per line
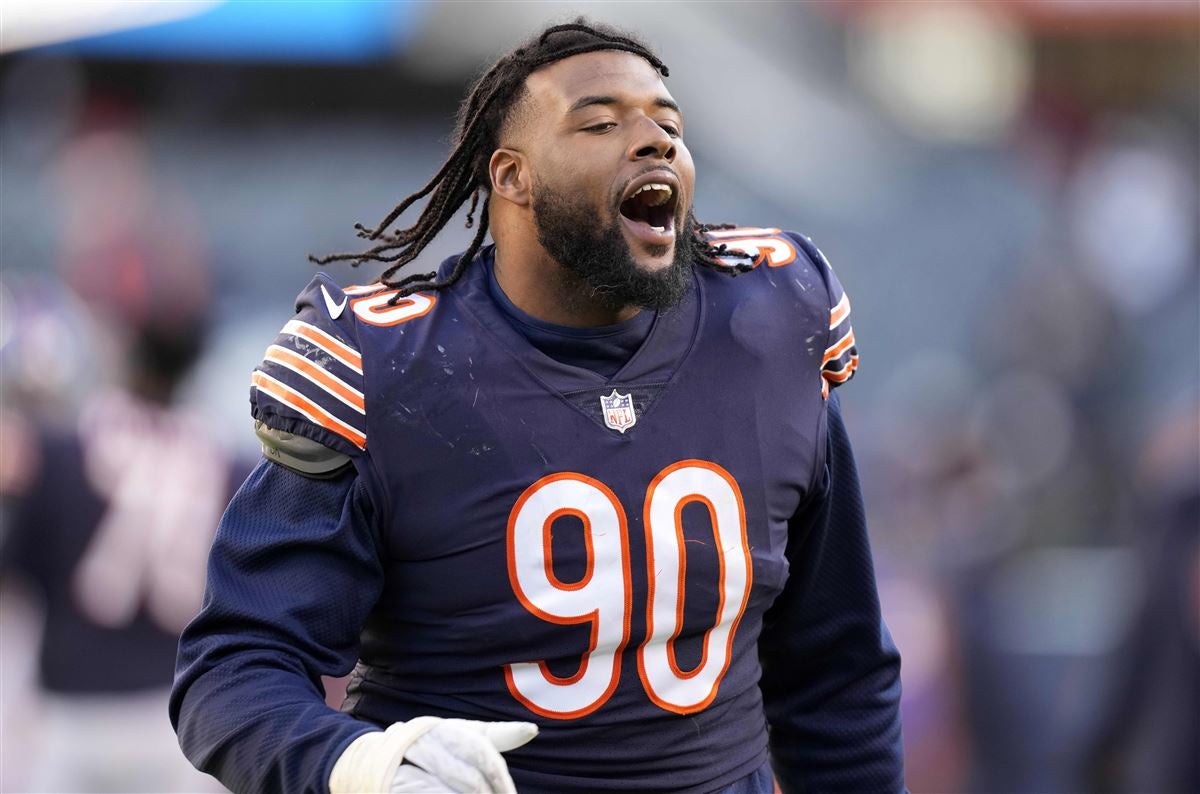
(523,539)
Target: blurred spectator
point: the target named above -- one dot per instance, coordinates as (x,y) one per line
(1144,737)
(108,519)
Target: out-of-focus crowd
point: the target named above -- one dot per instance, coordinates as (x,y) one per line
(1008,192)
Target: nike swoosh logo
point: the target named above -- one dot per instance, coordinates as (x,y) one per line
(335,309)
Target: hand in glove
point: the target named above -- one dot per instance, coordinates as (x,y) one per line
(430,754)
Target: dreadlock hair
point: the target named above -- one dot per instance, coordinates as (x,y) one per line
(464,175)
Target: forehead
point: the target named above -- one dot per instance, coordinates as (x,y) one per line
(621,75)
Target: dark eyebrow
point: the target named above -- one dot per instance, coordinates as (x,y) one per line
(583,102)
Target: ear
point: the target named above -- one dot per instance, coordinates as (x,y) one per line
(511,176)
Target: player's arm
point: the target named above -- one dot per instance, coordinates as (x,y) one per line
(292,574)
(295,569)
(831,673)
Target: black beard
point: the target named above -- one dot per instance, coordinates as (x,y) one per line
(599,267)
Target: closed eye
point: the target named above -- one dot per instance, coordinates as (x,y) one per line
(603,126)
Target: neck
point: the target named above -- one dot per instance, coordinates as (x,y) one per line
(541,287)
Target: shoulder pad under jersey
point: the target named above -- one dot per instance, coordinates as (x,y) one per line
(299,453)
(773,248)
(310,381)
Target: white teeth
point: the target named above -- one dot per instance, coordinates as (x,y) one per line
(654,186)
(661,194)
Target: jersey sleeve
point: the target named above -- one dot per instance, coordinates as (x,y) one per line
(831,672)
(310,381)
(294,570)
(840,359)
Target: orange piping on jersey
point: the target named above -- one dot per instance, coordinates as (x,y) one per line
(725,475)
(592,617)
(712,512)
(841,346)
(547,553)
(310,371)
(334,347)
(839,312)
(301,405)
(842,375)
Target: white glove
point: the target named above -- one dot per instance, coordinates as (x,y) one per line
(445,755)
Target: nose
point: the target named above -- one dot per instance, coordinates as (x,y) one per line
(652,141)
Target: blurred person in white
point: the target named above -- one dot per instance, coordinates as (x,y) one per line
(107,521)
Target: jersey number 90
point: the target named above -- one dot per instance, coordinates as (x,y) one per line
(602,597)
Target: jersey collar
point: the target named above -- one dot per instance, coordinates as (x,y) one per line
(664,350)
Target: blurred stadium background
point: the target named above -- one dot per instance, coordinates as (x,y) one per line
(1008,190)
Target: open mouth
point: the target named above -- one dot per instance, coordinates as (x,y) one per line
(649,212)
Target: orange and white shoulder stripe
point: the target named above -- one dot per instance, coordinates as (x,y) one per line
(839,312)
(841,357)
(311,372)
(839,348)
(307,408)
(318,376)
(839,376)
(326,342)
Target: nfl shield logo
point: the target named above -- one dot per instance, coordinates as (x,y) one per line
(618,411)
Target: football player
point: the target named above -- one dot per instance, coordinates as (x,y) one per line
(580,503)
